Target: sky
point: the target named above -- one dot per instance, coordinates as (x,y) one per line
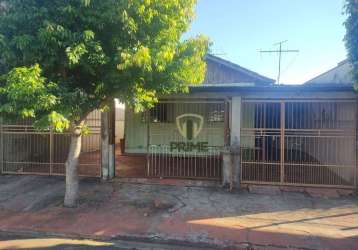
(239,29)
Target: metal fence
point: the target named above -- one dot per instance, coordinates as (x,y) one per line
(299,142)
(164,163)
(24,150)
(185,139)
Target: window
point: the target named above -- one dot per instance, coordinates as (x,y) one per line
(162,113)
(216,112)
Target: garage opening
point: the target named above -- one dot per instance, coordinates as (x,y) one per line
(299,142)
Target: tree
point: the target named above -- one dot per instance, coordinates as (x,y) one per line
(351,37)
(62,59)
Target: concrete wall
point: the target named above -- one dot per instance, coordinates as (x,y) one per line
(119,123)
(135,132)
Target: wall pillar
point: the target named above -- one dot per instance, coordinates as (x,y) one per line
(227,168)
(235,119)
(235,140)
(108,143)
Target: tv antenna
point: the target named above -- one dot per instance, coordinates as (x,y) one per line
(280,51)
(218,54)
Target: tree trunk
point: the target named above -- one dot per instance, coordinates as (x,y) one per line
(72,182)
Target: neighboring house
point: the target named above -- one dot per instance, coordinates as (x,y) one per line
(341,74)
(220,71)
(302,135)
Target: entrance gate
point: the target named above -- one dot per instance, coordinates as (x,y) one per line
(305,143)
(24,150)
(185,139)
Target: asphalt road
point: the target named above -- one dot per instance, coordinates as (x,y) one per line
(10,241)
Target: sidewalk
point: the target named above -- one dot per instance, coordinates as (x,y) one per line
(180,214)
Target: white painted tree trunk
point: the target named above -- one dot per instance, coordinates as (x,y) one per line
(72,182)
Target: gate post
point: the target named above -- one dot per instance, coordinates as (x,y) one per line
(282,143)
(147,118)
(226,171)
(51,149)
(235,140)
(108,143)
(104,146)
(231,166)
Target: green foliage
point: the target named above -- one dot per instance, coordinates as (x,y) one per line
(61,59)
(351,38)
(27,94)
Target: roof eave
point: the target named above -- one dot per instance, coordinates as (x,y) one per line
(273,88)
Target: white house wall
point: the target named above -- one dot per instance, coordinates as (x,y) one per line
(163,133)
(135,132)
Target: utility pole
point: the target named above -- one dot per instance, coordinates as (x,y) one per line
(279,51)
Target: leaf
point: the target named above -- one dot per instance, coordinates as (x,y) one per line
(86,2)
(88,35)
(75,53)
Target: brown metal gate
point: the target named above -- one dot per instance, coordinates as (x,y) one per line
(24,150)
(185,139)
(299,142)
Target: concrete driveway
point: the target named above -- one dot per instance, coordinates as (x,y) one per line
(197,216)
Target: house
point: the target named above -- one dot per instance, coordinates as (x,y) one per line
(302,135)
(237,128)
(341,74)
